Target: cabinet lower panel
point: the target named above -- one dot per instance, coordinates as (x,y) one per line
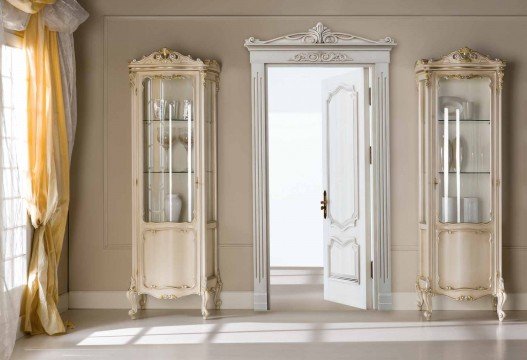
(169,259)
(464,260)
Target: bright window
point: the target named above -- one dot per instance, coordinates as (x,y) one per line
(15,224)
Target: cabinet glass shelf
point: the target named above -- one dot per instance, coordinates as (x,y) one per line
(464,137)
(167,172)
(166,120)
(467,172)
(467,120)
(168,147)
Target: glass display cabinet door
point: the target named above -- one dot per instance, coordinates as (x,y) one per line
(169,148)
(464,149)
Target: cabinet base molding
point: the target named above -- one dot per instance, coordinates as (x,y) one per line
(408,301)
(118,300)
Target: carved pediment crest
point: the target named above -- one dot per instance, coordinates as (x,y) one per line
(319,34)
(165,56)
(168,57)
(465,55)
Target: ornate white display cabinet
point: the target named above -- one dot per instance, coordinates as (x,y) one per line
(460,176)
(174,179)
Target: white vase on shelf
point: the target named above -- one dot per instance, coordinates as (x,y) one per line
(471,210)
(449,210)
(172,207)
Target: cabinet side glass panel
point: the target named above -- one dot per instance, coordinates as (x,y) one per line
(463,146)
(422,153)
(209,146)
(168,149)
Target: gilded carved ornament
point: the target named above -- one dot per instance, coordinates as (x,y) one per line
(428,74)
(167,56)
(500,79)
(464,55)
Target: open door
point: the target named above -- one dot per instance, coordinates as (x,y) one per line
(346,198)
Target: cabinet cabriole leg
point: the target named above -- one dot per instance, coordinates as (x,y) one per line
(424,296)
(494,303)
(501,297)
(217,294)
(420,297)
(204,302)
(133,298)
(142,301)
(427,305)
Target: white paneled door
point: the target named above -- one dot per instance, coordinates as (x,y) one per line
(346,202)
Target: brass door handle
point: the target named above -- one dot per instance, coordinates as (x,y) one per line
(324,204)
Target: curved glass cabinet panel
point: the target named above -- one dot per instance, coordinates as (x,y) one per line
(463,141)
(168,154)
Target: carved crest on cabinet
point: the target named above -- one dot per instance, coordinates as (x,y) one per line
(320,34)
(169,57)
(165,56)
(465,55)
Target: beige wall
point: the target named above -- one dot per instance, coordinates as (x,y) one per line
(119,30)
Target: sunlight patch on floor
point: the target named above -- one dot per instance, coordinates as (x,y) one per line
(277,332)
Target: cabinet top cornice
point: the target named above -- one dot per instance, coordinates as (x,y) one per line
(168,57)
(464,57)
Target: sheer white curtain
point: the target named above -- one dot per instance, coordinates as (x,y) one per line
(13,237)
(9,308)
(64,17)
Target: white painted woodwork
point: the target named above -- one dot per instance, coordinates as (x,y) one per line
(321,46)
(175,259)
(346,169)
(461,260)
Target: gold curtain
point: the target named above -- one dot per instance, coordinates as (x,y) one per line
(31,6)
(48,171)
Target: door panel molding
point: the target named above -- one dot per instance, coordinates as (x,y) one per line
(355,247)
(351,220)
(321,46)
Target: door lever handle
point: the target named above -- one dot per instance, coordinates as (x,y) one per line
(324,204)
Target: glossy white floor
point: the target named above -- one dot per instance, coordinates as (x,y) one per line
(161,334)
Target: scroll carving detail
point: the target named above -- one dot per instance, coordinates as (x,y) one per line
(320,57)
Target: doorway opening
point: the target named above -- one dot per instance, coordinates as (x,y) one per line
(318,137)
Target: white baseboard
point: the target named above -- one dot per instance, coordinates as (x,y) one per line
(245,300)
(118,300)
(385,301)
(296,275)
(63,304)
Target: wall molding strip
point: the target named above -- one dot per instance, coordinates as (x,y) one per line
(243,300)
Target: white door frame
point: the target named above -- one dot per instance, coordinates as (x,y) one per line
(320,46)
